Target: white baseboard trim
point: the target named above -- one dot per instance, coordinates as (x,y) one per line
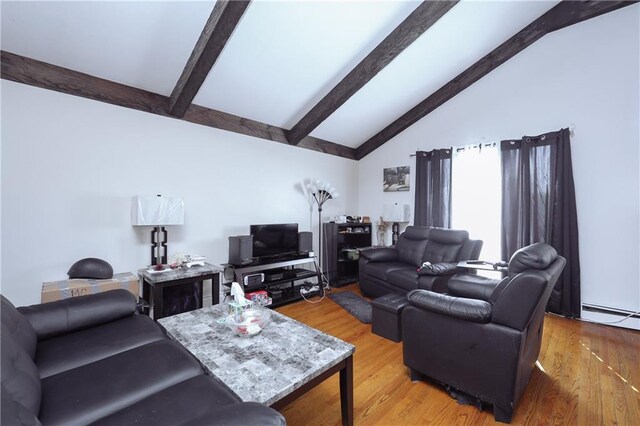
(610,316)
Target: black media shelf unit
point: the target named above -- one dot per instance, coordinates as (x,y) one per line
(340,253)
(287,288)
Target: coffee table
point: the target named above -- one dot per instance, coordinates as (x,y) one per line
(275,367)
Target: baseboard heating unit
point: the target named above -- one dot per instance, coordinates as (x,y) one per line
(610,311)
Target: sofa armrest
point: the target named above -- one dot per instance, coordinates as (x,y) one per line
(472,286)
(241,414)
(68,315)
(438,269)
(465,309)
(382,254)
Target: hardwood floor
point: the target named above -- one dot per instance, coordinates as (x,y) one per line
(588,375)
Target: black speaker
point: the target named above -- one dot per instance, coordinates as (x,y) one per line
(305,242)
(240,249)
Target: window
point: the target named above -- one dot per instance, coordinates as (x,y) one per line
(476,187)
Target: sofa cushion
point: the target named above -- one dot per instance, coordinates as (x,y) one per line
(417,232)
(14,413)
(18,327)
(441,268)
(406,278)
(535,256)
(93,391)
(444,245)
(20,377)
(472,286)
(448,236)
(380,270)
(380,254)
(83,347)
(177,404)
(69,315)
(411,245)
(457,307)
(436,283)
(438,252)
(246,413)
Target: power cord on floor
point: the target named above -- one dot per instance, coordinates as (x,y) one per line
(323,286)
(325,280)
(610,322)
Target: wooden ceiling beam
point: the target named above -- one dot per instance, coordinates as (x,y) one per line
(562,15)
(222,22)
(52,77)
(419,21)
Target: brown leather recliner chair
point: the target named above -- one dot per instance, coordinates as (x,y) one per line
(485,348)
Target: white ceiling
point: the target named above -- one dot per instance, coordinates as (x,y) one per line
(282,59)
(141,44)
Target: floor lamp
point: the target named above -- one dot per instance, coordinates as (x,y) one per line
(157,211)
(321,193)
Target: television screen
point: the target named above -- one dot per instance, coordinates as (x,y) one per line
(274,240)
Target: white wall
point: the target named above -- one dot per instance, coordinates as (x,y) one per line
(585,75)
(70,167)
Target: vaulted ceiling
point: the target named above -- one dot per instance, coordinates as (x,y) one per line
(337,77)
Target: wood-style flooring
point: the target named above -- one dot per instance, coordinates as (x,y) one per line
(588,374)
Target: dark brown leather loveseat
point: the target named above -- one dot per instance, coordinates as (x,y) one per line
(395,269)
(485,336)
(92,359)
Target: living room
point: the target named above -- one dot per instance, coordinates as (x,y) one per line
(70,165)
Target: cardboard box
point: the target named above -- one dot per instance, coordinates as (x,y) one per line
(64,289)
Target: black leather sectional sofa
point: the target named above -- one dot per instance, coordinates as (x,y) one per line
(94,360)
(395,269)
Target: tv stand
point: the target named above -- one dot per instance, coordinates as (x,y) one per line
(285,289)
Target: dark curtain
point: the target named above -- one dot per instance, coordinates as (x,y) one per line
(539,205)
(433,188)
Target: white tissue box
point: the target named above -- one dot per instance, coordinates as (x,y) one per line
(236,309)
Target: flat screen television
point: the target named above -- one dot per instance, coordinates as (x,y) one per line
(274,240)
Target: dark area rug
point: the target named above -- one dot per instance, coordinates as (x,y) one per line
(354,304)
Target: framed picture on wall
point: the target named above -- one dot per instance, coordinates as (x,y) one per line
(396,179)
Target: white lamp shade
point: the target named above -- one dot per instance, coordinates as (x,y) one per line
(396,213)
(154,210)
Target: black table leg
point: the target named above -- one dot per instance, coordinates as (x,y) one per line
(200,285)
(346,392)
(158,305)
(215,289)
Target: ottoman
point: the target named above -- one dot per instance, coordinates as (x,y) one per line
(386,316)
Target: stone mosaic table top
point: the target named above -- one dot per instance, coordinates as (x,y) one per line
(263,368)
(180,273)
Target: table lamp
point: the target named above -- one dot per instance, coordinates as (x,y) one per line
(396,214)
(157,211)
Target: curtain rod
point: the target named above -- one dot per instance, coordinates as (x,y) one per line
(462,148)
(572,130)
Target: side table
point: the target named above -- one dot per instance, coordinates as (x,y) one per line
(481,265)
(154,284)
